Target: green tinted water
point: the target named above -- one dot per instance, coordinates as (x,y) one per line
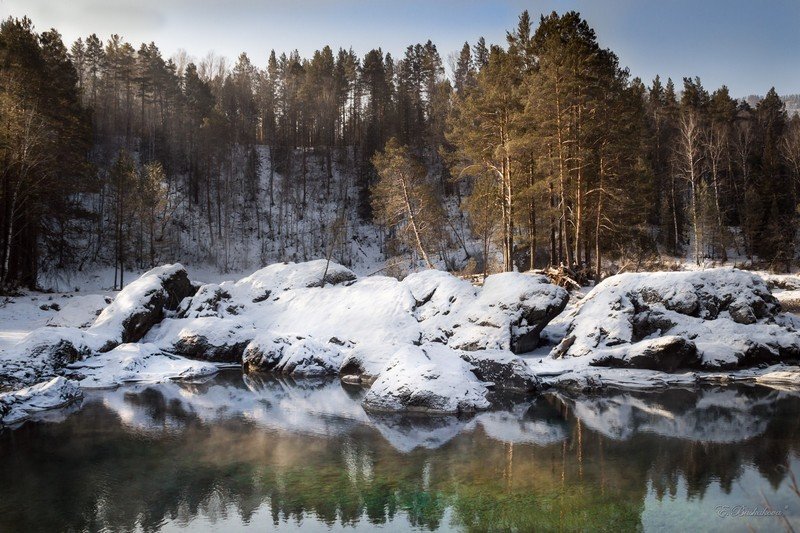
(240,453)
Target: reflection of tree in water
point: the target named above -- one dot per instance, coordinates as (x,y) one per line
(94,470)
(712,435)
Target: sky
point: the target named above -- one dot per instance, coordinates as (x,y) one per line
(748,45)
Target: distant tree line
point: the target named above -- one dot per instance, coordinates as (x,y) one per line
(540,152)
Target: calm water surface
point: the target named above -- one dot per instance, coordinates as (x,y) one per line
(241,453)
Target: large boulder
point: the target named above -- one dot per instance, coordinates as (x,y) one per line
(666,354)
(529,301)
(209,339)
(428,378)
(503,370)
(44,352)
(142,304)
(292,355)
(507,313)
(714,319)
(362,365)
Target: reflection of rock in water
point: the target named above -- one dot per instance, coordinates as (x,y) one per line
(260,382)
(405,432)
(706,415)
(136,457)
(535,423)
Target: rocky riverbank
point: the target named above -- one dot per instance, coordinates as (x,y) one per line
(430,343)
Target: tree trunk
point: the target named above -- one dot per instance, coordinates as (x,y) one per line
(412,222)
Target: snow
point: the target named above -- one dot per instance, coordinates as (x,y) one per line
(789,300)
(508,306)
(427,378)
(375,310)
(44,351)
(728,314)
(138,298)
(277,277)
(280,319)
(431,342)
(19,405)
(138,363)
(292,355)
(80,311)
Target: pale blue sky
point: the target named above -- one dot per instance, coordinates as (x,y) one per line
(749,45)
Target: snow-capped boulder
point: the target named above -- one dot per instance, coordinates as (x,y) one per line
(44,352)
(265,285)
(285,276)
(663,353)
(428,378)
(142,303)
(207,338)
(728,315)
(292,355)
(787,282)
(504,370)
(19,405)
(789,300)
(363,364)
(507,313)
(530,303)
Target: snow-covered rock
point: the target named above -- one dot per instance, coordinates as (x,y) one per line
(507,313)
(788,282)
(44,352)
(504,370)
(356,324)
(789,300)
(134,362)
(292,355)
(729,316)
(142,303)
(309,319)
(663,353)
(363,364)
(19,405)
(206,338)
(428,378)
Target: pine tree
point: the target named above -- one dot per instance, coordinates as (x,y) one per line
(403,200)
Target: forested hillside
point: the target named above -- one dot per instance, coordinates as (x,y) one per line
(538,151)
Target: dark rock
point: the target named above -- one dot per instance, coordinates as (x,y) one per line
(506,372)
(141,305)
(199,347)
(666,354)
